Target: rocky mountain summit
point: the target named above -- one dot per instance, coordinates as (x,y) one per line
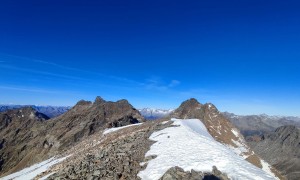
(281,148)
(27,138)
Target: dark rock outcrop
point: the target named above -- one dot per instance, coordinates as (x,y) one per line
(177,173)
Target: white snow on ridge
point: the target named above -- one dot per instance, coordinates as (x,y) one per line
(190,146)
(106,131)
(266,167)
(235,132)
(34,170)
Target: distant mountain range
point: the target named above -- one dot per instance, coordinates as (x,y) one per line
(250,125)
(153,114)
(50,111)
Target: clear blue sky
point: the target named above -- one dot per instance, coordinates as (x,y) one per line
(243,56)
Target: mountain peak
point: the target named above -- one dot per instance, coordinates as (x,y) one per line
(82,103)
(123,101)
(190,102)
(99,100)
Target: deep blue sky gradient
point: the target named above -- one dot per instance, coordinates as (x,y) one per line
(243,56)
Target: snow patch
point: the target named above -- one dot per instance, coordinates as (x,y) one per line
(106,131)
(165,122)
(190,146)
(31,116)
(34,170)
(235,132)
(266,168)
(143,163)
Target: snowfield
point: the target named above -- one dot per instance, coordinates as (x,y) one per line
(34,170)
(190,146)
(106,131)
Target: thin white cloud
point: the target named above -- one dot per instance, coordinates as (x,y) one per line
(41,72)
(174,83)
(63,67)
(156,83)
(30,89)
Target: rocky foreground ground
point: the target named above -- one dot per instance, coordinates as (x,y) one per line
(118,155)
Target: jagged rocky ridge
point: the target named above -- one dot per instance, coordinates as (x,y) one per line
(35,139)
(121,154)
(281,148)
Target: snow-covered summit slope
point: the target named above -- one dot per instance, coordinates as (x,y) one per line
(190,146)
(221,129)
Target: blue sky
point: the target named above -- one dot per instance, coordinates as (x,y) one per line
(243,56)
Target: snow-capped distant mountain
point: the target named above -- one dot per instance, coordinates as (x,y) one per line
(153,114)
(50,111)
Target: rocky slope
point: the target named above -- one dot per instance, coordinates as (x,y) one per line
(50,111)
(281,148)
(17,130)
(123,153)
(259,124)
(45,139)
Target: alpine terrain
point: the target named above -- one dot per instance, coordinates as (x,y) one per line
(111,140)
(281,148)
(251,125)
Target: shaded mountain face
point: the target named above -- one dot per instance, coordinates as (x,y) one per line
(50,111)
(48,138)
(17,130)
(86,117)
(252,125)
(220,128)
(281,148)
